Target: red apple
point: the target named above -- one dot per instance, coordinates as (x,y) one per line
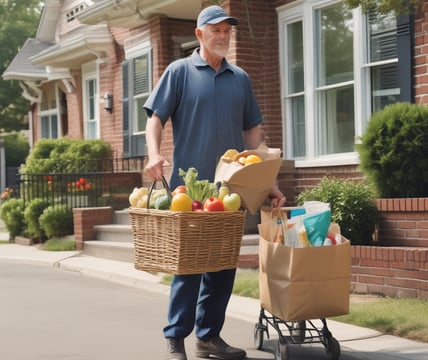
(213,204)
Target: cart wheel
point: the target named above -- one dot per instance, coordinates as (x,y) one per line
(298,331)
(281,352)
(332,349)
(258,336)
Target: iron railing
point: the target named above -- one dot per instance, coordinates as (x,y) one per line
(78,189)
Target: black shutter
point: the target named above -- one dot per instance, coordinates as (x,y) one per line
(126,65)
(405,33)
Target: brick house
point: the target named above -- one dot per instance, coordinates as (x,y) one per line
(93,63)
(319,71)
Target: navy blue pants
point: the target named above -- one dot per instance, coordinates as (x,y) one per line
(199,301)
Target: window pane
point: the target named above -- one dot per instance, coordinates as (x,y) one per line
(44,127)
(54,127)
(295,57)
(298,126)
(385,86)
(336,123)
(92,130)
(141,79)
(335,46)
(140,114)
(91,99)
(382,36)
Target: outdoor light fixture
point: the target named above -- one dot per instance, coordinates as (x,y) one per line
(108,102)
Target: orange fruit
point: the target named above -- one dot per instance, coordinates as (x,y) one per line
(181,202)
(242,160)
(252,159)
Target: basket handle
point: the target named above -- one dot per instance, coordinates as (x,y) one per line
(152,186)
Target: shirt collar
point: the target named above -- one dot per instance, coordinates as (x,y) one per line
(199,62)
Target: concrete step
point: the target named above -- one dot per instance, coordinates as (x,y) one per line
(119,251)
(121,217)
(113,232)
(124,250)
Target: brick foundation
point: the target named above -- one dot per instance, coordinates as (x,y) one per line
(391,271)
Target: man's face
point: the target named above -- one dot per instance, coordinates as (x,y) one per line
(215,38)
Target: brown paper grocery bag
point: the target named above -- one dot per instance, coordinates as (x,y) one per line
(304,283)
(252,182)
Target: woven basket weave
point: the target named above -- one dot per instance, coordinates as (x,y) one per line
(186,242)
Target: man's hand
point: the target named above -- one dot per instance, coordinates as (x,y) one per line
(154,167)
(276,197)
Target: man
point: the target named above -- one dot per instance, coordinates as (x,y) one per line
(212,108)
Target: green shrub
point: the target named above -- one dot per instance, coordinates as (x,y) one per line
(50,156)
(352,206)
(57,221)
(12,214)
(393,151)
(32,214)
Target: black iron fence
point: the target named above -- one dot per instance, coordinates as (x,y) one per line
(83,189)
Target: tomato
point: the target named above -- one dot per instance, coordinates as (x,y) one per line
(181,202)
(213,204)
(180,189)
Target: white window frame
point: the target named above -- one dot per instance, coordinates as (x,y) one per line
(49,113)
(90,72)
(305,11)
(142,49)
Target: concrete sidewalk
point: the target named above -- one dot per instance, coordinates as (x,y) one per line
(364,343)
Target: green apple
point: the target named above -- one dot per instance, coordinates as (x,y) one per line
(223,191)
(232,202)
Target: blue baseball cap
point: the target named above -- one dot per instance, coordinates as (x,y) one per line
(214,15)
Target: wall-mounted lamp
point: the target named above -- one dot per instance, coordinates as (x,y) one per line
(108,102)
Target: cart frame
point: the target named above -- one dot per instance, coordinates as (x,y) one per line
(295,332)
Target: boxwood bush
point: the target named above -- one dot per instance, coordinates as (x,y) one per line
(352,205)
(12,214)
(32,213)
(57,221)
(393,151)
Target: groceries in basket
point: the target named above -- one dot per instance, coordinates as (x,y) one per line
(194,195)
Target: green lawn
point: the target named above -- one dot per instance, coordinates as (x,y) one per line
(406,318)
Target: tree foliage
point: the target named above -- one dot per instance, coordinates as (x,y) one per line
(399,7)
(18,22)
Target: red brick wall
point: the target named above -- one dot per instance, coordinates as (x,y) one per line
(404,222)
(391,271)
(421,55)
(84,221)
(110,81)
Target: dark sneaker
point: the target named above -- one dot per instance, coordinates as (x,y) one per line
(176,349)
(218,348)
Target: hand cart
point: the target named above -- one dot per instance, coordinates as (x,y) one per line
(295,332)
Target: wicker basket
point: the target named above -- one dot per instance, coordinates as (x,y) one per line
(186,242)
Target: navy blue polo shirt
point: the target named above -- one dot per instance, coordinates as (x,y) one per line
(209,111)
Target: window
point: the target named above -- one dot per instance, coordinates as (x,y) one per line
(49,112)
(136,73)
(141,91)
(382,40)
(337,67)
(90,102)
